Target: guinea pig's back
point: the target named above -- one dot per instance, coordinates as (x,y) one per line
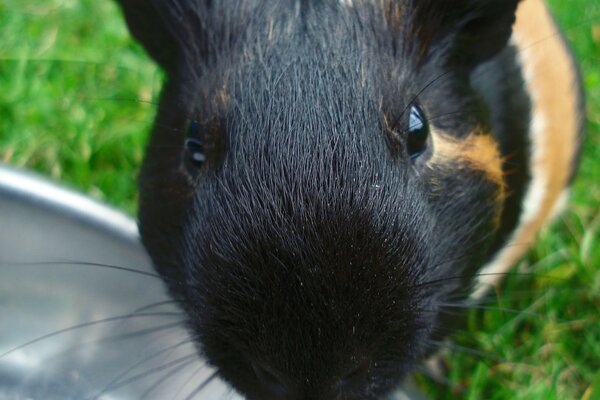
(550,150)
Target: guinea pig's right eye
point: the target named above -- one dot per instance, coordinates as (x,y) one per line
(417,132)
(194,147)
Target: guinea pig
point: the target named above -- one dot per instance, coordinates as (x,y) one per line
(323,175)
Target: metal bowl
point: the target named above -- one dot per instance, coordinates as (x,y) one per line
(76,320)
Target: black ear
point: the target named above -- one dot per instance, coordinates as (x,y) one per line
(163,27)
(472,31)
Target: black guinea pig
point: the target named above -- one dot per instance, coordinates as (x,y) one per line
(324,175)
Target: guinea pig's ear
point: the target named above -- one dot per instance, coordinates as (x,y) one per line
(163,27)
(472,31)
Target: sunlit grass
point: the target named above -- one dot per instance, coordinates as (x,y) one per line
(75,95)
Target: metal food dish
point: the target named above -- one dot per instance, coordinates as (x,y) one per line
(49,242)
(58,251)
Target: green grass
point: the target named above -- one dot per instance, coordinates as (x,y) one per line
(75,95)
(76,102)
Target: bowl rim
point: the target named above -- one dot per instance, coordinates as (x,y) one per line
(25,186)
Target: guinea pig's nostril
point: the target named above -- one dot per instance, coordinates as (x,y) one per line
(270,380)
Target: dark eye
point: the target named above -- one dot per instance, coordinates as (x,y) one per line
(194,146)
(417,132)
(269,380)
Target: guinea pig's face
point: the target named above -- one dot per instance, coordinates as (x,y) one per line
(320,180)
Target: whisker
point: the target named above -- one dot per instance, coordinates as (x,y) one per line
(142,332)
(122,100)
(83,263)
(86,325)
(126,372)
(188,359)
(490,308)
(149,330)
(112,339)
(468,350)
(188,380)
(533,293)
(408,104)
(559,32)
(201,386)
(440,116)
(75,263)
(536,304)
(155,305)
(510,273)
(165,377)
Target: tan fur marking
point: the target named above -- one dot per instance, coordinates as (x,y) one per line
(477,151)
(551,79)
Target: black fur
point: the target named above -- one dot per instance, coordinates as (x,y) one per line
(310,245)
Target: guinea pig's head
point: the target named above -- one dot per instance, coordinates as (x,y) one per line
(321,178)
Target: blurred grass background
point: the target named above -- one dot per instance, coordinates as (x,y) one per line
(77,98)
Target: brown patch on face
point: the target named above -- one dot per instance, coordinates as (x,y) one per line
(477,151)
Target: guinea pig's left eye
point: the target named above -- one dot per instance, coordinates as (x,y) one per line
(417,132)
(194,146)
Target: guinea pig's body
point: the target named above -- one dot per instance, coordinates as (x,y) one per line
(324,176)
(549,151)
